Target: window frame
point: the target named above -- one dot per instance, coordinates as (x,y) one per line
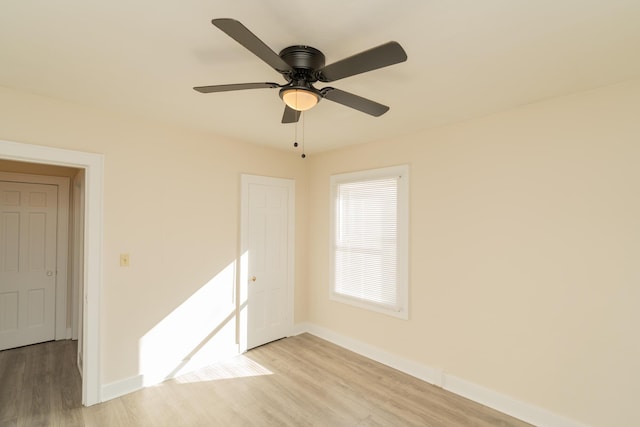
(402,238)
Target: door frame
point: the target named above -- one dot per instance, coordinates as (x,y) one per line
(62,243)
(93,164)
(243,282)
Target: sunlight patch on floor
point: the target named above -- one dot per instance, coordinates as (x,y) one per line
(236,367)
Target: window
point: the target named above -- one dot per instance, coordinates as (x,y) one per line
(369,239)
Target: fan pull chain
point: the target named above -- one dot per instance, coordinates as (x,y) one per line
(303,155)
(295,140)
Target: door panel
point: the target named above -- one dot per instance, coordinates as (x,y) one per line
(28,221)
(8,311)
(10,242)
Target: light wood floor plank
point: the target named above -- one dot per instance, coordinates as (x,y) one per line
(298,381)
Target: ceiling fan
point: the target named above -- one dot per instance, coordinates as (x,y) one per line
(302,66)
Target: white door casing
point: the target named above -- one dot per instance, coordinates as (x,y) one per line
(266,288)
(93,165)
(28,221)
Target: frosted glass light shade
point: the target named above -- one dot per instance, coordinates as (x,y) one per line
(299,99)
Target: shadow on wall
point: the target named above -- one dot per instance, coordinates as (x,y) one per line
(199,332)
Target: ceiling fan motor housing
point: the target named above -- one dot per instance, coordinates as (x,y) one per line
(305,60)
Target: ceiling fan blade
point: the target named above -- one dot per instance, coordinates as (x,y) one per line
(290,115)
(239,86)
(372,59)
(354,101)
(246,38)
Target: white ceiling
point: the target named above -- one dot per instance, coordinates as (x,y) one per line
(467,58)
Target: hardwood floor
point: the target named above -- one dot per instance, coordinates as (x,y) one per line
(298,381)
(40,385)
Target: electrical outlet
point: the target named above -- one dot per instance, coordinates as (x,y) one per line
(124,260)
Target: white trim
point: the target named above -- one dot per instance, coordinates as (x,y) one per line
(498,401)
(62,245)
(122,387)
(243,277)
(506,404)
(93,165)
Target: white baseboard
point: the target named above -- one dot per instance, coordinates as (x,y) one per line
(500,402)
(120,388)
(140,381)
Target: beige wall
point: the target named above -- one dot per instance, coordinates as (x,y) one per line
(172,203)
(525,247)
(36,169)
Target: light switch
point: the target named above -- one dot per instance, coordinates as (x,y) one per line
(124,260)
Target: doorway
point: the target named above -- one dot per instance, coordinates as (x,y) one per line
(92,165)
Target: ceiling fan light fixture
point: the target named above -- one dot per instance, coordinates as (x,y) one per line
(299,99)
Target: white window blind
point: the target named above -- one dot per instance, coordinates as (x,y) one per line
(369,228)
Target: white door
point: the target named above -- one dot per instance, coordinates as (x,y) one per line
(28,221)
(268,236)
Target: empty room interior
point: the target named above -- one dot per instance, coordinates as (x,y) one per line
(447,234)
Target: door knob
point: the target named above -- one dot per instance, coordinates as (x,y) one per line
(49,273)
(253,278)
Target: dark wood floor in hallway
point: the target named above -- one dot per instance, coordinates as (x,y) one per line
(298,381)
